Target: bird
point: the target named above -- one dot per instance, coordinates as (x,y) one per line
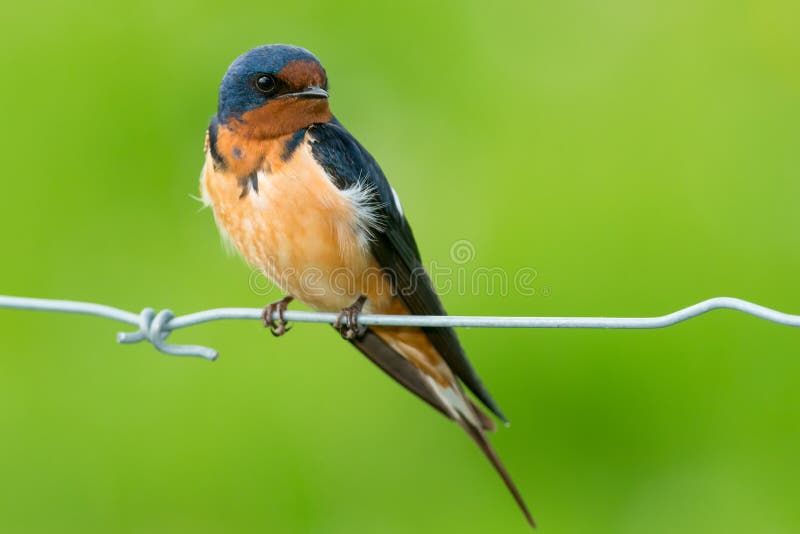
(303,201)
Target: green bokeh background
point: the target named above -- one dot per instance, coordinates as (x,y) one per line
(640,156)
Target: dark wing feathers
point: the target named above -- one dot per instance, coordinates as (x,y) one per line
(397,367)
(348,163)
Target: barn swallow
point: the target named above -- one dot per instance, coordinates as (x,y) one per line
(302,200)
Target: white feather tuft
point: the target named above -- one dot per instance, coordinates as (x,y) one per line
(368,211)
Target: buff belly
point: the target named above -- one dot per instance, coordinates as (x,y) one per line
(298,228)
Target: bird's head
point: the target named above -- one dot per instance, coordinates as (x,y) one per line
(273,90)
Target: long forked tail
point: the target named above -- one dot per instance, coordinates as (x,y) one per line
(450,399)
(479,437)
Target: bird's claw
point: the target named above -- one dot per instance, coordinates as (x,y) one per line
(351,329)
(276,328)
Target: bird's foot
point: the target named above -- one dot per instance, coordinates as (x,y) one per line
(277,328)
(351,330)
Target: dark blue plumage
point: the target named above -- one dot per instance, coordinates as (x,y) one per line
(292,144)
(219,161)
(236,94)
(347,162)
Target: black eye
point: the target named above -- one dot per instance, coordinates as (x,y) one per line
(265,83)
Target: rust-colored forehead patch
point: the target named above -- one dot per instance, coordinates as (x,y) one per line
(302,73)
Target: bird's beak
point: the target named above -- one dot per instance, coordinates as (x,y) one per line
(312,91)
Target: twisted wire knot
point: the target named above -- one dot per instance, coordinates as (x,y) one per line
(154,327)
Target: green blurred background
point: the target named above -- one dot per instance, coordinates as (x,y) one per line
(640,156)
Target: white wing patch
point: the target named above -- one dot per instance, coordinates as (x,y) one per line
(397,202)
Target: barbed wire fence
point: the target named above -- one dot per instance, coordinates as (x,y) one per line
(156,327)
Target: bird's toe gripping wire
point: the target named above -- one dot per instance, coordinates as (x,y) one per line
(347,320)
(276,328)
(154,327)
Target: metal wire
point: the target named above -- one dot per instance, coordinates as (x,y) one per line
(155,327)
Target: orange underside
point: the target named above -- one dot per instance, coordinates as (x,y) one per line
(300,230)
